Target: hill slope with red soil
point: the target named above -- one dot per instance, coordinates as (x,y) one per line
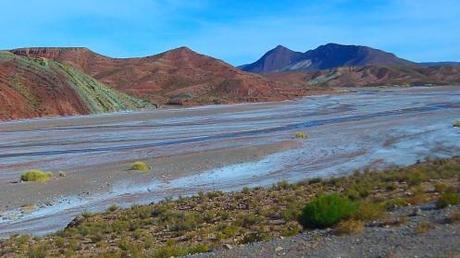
(373,75)
(178,76)
(33,87)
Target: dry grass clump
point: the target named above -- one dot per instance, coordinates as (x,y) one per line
(140,166)
(454,217)
(456,124)
(369,211)
(36,175)
(301,135)
(349,227)
(424,227)
(449,197)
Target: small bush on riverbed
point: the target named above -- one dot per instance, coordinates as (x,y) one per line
(140,166)
(36,175)
(301,135)
(326,211)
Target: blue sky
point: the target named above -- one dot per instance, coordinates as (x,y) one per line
(234,31)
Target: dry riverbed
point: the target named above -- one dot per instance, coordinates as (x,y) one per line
(214,148)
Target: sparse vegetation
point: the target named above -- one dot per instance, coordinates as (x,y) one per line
(454,217)
(301,135)
(211,220)
(449,197)
(36,175)
(424,227)
(456,124)
(369,211)
(349,227)
(140,166)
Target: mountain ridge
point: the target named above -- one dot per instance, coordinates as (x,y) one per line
(328,56)
(178,76)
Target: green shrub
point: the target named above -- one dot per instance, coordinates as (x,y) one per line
(456,124)
(36,175)
(447,198)
(140,166)
(327,210)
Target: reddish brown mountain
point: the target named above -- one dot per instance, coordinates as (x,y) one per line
(32,87)
(371,76)
(179,76)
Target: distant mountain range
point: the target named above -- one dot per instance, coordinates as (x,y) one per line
(67,81)
(328,56)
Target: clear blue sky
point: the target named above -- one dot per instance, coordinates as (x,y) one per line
(234,31)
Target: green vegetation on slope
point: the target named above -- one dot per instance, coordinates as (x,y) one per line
(98,97)
(211,220)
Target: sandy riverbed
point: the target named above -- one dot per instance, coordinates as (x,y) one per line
(214,148)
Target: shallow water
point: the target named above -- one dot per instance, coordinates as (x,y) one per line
(365,128)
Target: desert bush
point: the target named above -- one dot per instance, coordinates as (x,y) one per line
(415,177)
(140,166)
(173,250)
(112,208)
(454,217)
(395,203)
(252,237)
(301,135)
(314,180)
(349,227)
(449,197)
(227,231)
(440,187)
(36,175)
(327,210)
(424,227)
(369,211)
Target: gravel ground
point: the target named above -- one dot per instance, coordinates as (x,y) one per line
(443,240)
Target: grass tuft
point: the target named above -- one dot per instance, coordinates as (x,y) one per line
(424,227)
(36,175)
(449,197)
(349,227)
(456,124)
(140,166)
(301,135)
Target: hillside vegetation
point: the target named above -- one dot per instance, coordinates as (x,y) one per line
(31,87)
(213,220)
